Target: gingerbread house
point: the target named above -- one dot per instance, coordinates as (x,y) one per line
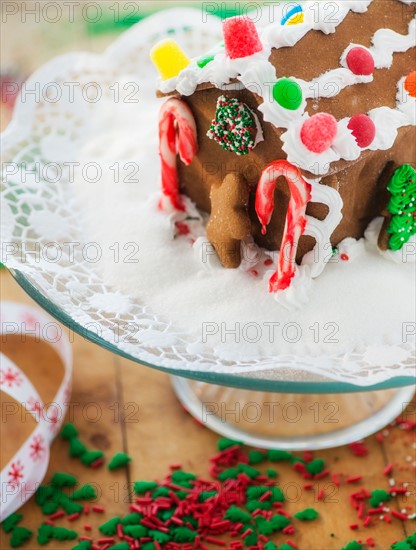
(291,133)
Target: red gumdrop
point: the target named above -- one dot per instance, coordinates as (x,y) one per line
(318,132)
(240,37)
(363,129)
(360,61)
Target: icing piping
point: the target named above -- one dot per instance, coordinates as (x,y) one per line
(321,230)
(300,194)
(259,76)
(177,135)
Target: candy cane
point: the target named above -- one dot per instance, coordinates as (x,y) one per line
(177,134)
(300,195)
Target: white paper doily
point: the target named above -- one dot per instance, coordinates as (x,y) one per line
(44,230)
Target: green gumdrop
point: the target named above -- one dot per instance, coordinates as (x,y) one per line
(379,496)
(255,457)
(60,479)
(44,533)
(86,492)
(251,539)
(49,507)
(90,457)
(159,536)
(110,527)
(76,448)
(288,94)
(61,533)
(69,431)
(120,546)
(353,545)
(135,531)
(309,514)
(132,519)
(82,545)
(9,523)
(19,536)
(118,461)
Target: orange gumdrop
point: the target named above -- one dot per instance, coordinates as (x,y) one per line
(410,84)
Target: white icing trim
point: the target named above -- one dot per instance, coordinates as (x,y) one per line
(321,230)
(406,255)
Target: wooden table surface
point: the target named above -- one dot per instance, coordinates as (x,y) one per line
(121,406)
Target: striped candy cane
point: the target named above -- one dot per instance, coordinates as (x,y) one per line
(177,135)
(300,195)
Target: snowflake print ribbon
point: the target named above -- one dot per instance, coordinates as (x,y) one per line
(26,470)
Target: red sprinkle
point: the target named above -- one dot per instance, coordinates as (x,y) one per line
(398,490)
(73,517)
(87,527)
(367,521)
(370,542)
(353,526)
(291,543)
(344,257)
(107,540)
(97,463)
(213,540)
(98,509)
(56,515)
(353,479)
(388,469)
(399,515)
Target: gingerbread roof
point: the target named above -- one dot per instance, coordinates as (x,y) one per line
(347,59)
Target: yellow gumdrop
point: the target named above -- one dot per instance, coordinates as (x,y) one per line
(168,58)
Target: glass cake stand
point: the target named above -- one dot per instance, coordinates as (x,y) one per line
(265,402)
(266,413)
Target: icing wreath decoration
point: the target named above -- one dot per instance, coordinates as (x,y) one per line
(234,126)
(402,206)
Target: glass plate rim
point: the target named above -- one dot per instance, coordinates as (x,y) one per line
(222,379)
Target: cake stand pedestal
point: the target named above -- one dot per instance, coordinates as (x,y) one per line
(297,421)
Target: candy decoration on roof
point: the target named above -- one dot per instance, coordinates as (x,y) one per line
(234,126)
(288,94)
(293,16)
(410,84)
(240,37)
(300,195)
(402,206)
(363,129)
(168,58)
(318,132)
(360,61)
(177,134)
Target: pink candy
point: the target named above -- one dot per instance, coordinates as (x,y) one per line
(318,132)
(363,129)
(360,61)
(240,37)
